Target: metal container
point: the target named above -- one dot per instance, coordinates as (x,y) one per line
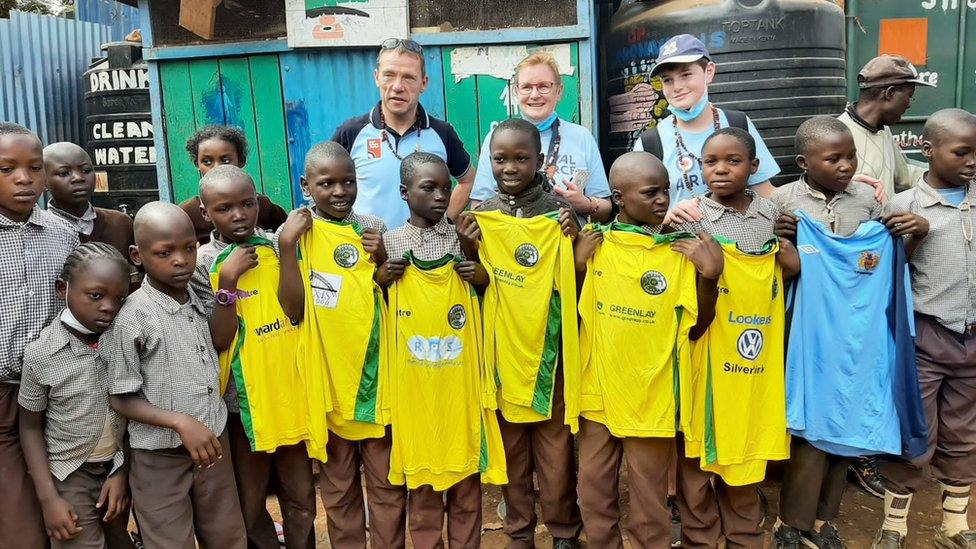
(119,130)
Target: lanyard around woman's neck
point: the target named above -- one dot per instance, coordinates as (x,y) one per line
(549,165)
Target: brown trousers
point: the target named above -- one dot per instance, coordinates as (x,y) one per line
(463,508)
(947,381)
(813,485)
(82,489)
(545,448)
(648,460)
(711,509)
(21,522)
(342,494)
(174,500)
(294,486)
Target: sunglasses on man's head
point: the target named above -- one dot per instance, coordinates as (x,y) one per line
(407,44)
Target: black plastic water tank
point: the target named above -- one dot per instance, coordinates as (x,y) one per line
(119,129)
(780,61)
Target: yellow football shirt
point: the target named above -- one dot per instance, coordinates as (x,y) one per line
(638,303)
(262,357)
(342,353)
(442,396)
(530,314)
(739,395)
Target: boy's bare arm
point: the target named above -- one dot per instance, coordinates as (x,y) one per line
(291,287)
(706,254)
(789,259)
(60,519)
(584,247)
(199,441)
(223,321)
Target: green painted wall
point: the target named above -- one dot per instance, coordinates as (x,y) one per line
(938,36)
(239,91)
(247,92)
(474,103)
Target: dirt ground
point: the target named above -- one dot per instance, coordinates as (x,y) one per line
(861,514)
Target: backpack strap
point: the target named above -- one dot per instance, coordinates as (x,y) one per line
(651,139)
(651,142)
(737,119)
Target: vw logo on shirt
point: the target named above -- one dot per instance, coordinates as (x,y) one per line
(750,344)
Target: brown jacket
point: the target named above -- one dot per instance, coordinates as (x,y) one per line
(114,228)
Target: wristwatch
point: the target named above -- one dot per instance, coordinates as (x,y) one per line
(225,298)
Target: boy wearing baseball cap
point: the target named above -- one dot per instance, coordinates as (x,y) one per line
(686,69)
(886,85)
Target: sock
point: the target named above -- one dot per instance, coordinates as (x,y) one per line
(955,503)
(896,512)
(818,524)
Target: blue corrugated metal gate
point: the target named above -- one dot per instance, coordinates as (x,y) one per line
(323,88)
(42,62)
(121,18)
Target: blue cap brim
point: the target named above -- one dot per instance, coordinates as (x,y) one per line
(677,60)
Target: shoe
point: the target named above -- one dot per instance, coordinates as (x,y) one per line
(565,543)
(888,539)
(675,522)
(963,540)
(864,469)
(786,537)
(826,538)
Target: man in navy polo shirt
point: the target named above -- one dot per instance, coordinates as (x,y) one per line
(380,139)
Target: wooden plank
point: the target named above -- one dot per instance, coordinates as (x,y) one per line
(199,16)
(178,116)
(461,106)
(238,105)
(271,146)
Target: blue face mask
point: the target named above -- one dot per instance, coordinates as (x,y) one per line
(692,113)
(547,123)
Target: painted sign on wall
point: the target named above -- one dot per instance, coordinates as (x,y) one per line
(332,23)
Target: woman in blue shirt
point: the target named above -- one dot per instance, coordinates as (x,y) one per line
(572,158)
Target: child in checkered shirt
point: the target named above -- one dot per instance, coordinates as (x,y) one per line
(33,247)
(72,439)
(164,377)
(425,184)
(942,256)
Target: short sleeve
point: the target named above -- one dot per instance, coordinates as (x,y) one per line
(598,186)
(905,174)
(201,287)
(877,210)
(768,167)
(346,133)
(120,349)
(32,395)
(458,159)
(778,198)
(270,215)
(484,181)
